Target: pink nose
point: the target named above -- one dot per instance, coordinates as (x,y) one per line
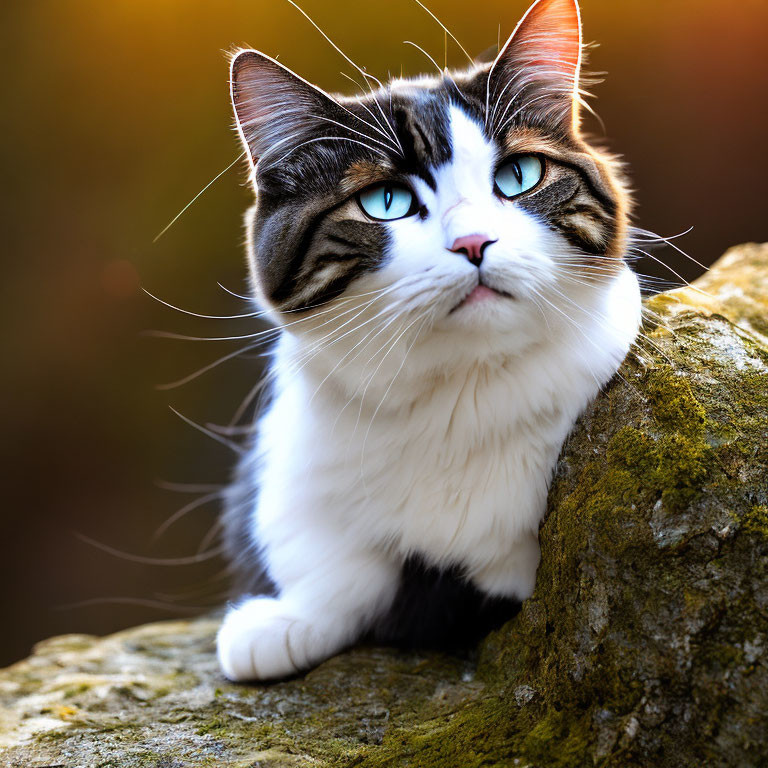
(472,246)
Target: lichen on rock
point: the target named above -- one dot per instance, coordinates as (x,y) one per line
(644,644)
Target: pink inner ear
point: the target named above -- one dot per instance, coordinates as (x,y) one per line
(549,36)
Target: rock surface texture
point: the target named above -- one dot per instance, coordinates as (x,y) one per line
(645,643)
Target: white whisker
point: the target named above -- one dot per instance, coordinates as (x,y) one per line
(447,32)
(159,605)
(160,561)
(676,274)
(232,293)
(200,428)
(392,381)
(365,75)
(186,207)
(444,72)
(359,133)
(204,317)
(329,138)
(201,502)
(200,371)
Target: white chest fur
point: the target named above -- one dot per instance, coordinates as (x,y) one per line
(453,464)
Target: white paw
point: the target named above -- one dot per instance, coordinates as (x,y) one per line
(261,640)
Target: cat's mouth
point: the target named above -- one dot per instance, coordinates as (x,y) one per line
(481,294)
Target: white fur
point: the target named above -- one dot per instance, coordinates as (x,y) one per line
(400,426)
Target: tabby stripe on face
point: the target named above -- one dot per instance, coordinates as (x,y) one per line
(325,284)
(584,233)
(588,229)
(569,206)
(546,201)
(604,196)
(338,239)
(335,257)
(338,252)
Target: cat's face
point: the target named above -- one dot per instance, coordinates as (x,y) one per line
(465,202)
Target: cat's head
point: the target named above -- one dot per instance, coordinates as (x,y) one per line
(468,201)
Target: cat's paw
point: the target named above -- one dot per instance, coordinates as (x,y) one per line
(255,641)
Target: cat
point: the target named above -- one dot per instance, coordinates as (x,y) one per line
(445,258)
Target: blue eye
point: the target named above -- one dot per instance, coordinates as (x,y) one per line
(519,174)
(387,201)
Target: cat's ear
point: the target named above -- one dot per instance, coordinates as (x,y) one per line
(540,62)
(274,107)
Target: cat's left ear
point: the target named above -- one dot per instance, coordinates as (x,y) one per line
(540,63)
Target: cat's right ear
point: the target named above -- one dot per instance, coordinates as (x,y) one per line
(274,107)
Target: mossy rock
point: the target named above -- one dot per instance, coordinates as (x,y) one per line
(645,643)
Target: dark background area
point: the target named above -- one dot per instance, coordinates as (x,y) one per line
(116,114)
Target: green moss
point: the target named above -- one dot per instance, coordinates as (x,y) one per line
(672,402)
(478,735)
(558,739)
(217,726)
(669,461)
(756,521)
(638,469)
(723,655)
(631,449)
(681,469)
(76,690)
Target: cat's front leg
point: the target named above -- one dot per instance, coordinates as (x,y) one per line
(514,573)
(330,603)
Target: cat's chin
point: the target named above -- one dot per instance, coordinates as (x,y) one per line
(484,307)
(488,324)
(481,296)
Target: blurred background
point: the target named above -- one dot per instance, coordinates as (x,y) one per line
(114,116)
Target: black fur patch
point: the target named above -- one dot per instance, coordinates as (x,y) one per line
(423,131)
(440,609)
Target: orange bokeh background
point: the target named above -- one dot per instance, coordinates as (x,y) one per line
(116,114)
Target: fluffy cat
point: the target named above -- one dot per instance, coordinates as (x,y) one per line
(445,257)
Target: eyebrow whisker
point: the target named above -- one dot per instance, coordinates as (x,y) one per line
(447,31)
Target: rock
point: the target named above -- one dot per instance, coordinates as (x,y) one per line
(645,643)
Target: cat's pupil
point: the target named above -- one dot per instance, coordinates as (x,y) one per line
(388,194)
(517,171)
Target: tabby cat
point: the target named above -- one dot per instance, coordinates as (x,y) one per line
(445,259)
